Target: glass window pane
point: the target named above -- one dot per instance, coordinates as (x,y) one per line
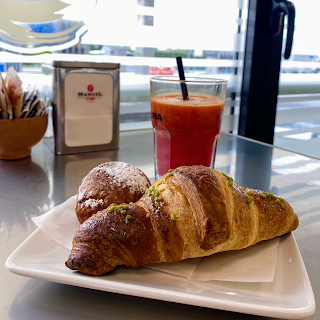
(145,38)
(298,109)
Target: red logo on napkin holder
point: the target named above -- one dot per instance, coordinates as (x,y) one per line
(90,95)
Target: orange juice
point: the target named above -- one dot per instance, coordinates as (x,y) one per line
(185,130)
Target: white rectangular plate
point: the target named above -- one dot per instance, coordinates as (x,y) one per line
(289,296)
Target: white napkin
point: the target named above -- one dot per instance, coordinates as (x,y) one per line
(61,223)
(254,264)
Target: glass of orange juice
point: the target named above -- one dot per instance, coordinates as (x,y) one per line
(186,132)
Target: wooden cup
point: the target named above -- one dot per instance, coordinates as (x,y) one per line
(18,136)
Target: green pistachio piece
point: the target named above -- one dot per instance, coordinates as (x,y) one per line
(225,175)
(278,202)
(271,195)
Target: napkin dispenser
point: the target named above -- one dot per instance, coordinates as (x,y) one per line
(85,105)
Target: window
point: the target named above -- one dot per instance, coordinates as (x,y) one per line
(298,109)
(146,3)
(145,36)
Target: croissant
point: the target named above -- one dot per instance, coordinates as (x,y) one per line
(189,212)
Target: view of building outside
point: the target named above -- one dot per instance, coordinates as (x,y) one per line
(145,36)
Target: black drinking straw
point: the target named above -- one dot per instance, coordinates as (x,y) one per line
(182,77)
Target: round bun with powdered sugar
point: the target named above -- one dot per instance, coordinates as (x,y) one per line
(111,182)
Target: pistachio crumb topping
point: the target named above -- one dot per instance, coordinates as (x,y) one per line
(230,238)
(128,217)
(148,215)
(243,188)
(152,192)
(123,211)
(173,217)
(250,199)
(230,179)
(263,195)
(249,192)
(271,195)
(278,202)
(225,175)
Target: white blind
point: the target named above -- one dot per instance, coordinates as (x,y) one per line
(183,24)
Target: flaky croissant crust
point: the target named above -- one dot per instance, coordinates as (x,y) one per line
(190,212)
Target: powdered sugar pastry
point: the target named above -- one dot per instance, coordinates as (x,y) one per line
(126,176)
